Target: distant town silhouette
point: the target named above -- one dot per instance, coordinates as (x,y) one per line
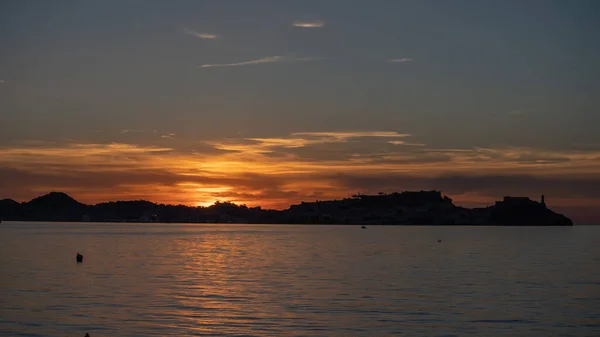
(405,208)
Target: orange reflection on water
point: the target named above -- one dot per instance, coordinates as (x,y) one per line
(224,275)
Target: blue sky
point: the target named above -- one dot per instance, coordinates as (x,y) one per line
(468,75)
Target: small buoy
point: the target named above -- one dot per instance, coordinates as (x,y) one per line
(439,240)
(79,258)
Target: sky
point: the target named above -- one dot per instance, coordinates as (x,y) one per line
(275,102)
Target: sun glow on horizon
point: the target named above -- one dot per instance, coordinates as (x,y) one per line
(274,173)
(205,203)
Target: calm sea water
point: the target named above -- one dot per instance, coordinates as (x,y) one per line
(265,280)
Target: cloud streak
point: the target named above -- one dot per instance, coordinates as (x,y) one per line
(279,171)
(400,60)
(300,139)
(352,134)
(207,36)
(401,142)
(309,24)
(264,60)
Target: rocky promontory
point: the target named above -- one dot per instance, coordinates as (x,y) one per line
(424,208)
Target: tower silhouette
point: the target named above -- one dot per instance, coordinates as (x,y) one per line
(543,200)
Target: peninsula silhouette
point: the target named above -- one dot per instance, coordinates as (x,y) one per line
(405,208)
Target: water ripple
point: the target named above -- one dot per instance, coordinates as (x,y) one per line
(218,280)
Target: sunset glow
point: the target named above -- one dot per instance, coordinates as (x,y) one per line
(274,105)
(273,174)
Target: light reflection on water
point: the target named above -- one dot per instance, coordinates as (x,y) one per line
(259,280)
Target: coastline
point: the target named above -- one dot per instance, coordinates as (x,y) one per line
(411,208)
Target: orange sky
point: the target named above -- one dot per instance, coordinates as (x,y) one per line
(277,172)
(272,103)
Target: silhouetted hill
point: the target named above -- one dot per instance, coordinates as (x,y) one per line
(54,199)
(54,206)
(423,208)
(10,209)
(406,208)
(523,212)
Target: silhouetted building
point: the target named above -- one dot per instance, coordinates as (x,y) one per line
(543,201)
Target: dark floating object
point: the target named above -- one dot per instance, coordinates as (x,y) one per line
(439,240)
(363,227)
(79,259)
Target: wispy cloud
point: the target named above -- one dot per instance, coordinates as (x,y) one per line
(400,60)
(401,142)
(168,135)
(269,59)
(346,136)
(351,134)
(299,140)
(292,168)
(309,24)
(200,35)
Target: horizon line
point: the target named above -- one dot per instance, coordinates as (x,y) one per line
(350,196)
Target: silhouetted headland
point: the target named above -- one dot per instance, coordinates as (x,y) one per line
(406,208)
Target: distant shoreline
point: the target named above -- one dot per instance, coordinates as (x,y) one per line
(410,208)
(271,224)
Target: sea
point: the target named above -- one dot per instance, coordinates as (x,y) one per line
(297,280)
